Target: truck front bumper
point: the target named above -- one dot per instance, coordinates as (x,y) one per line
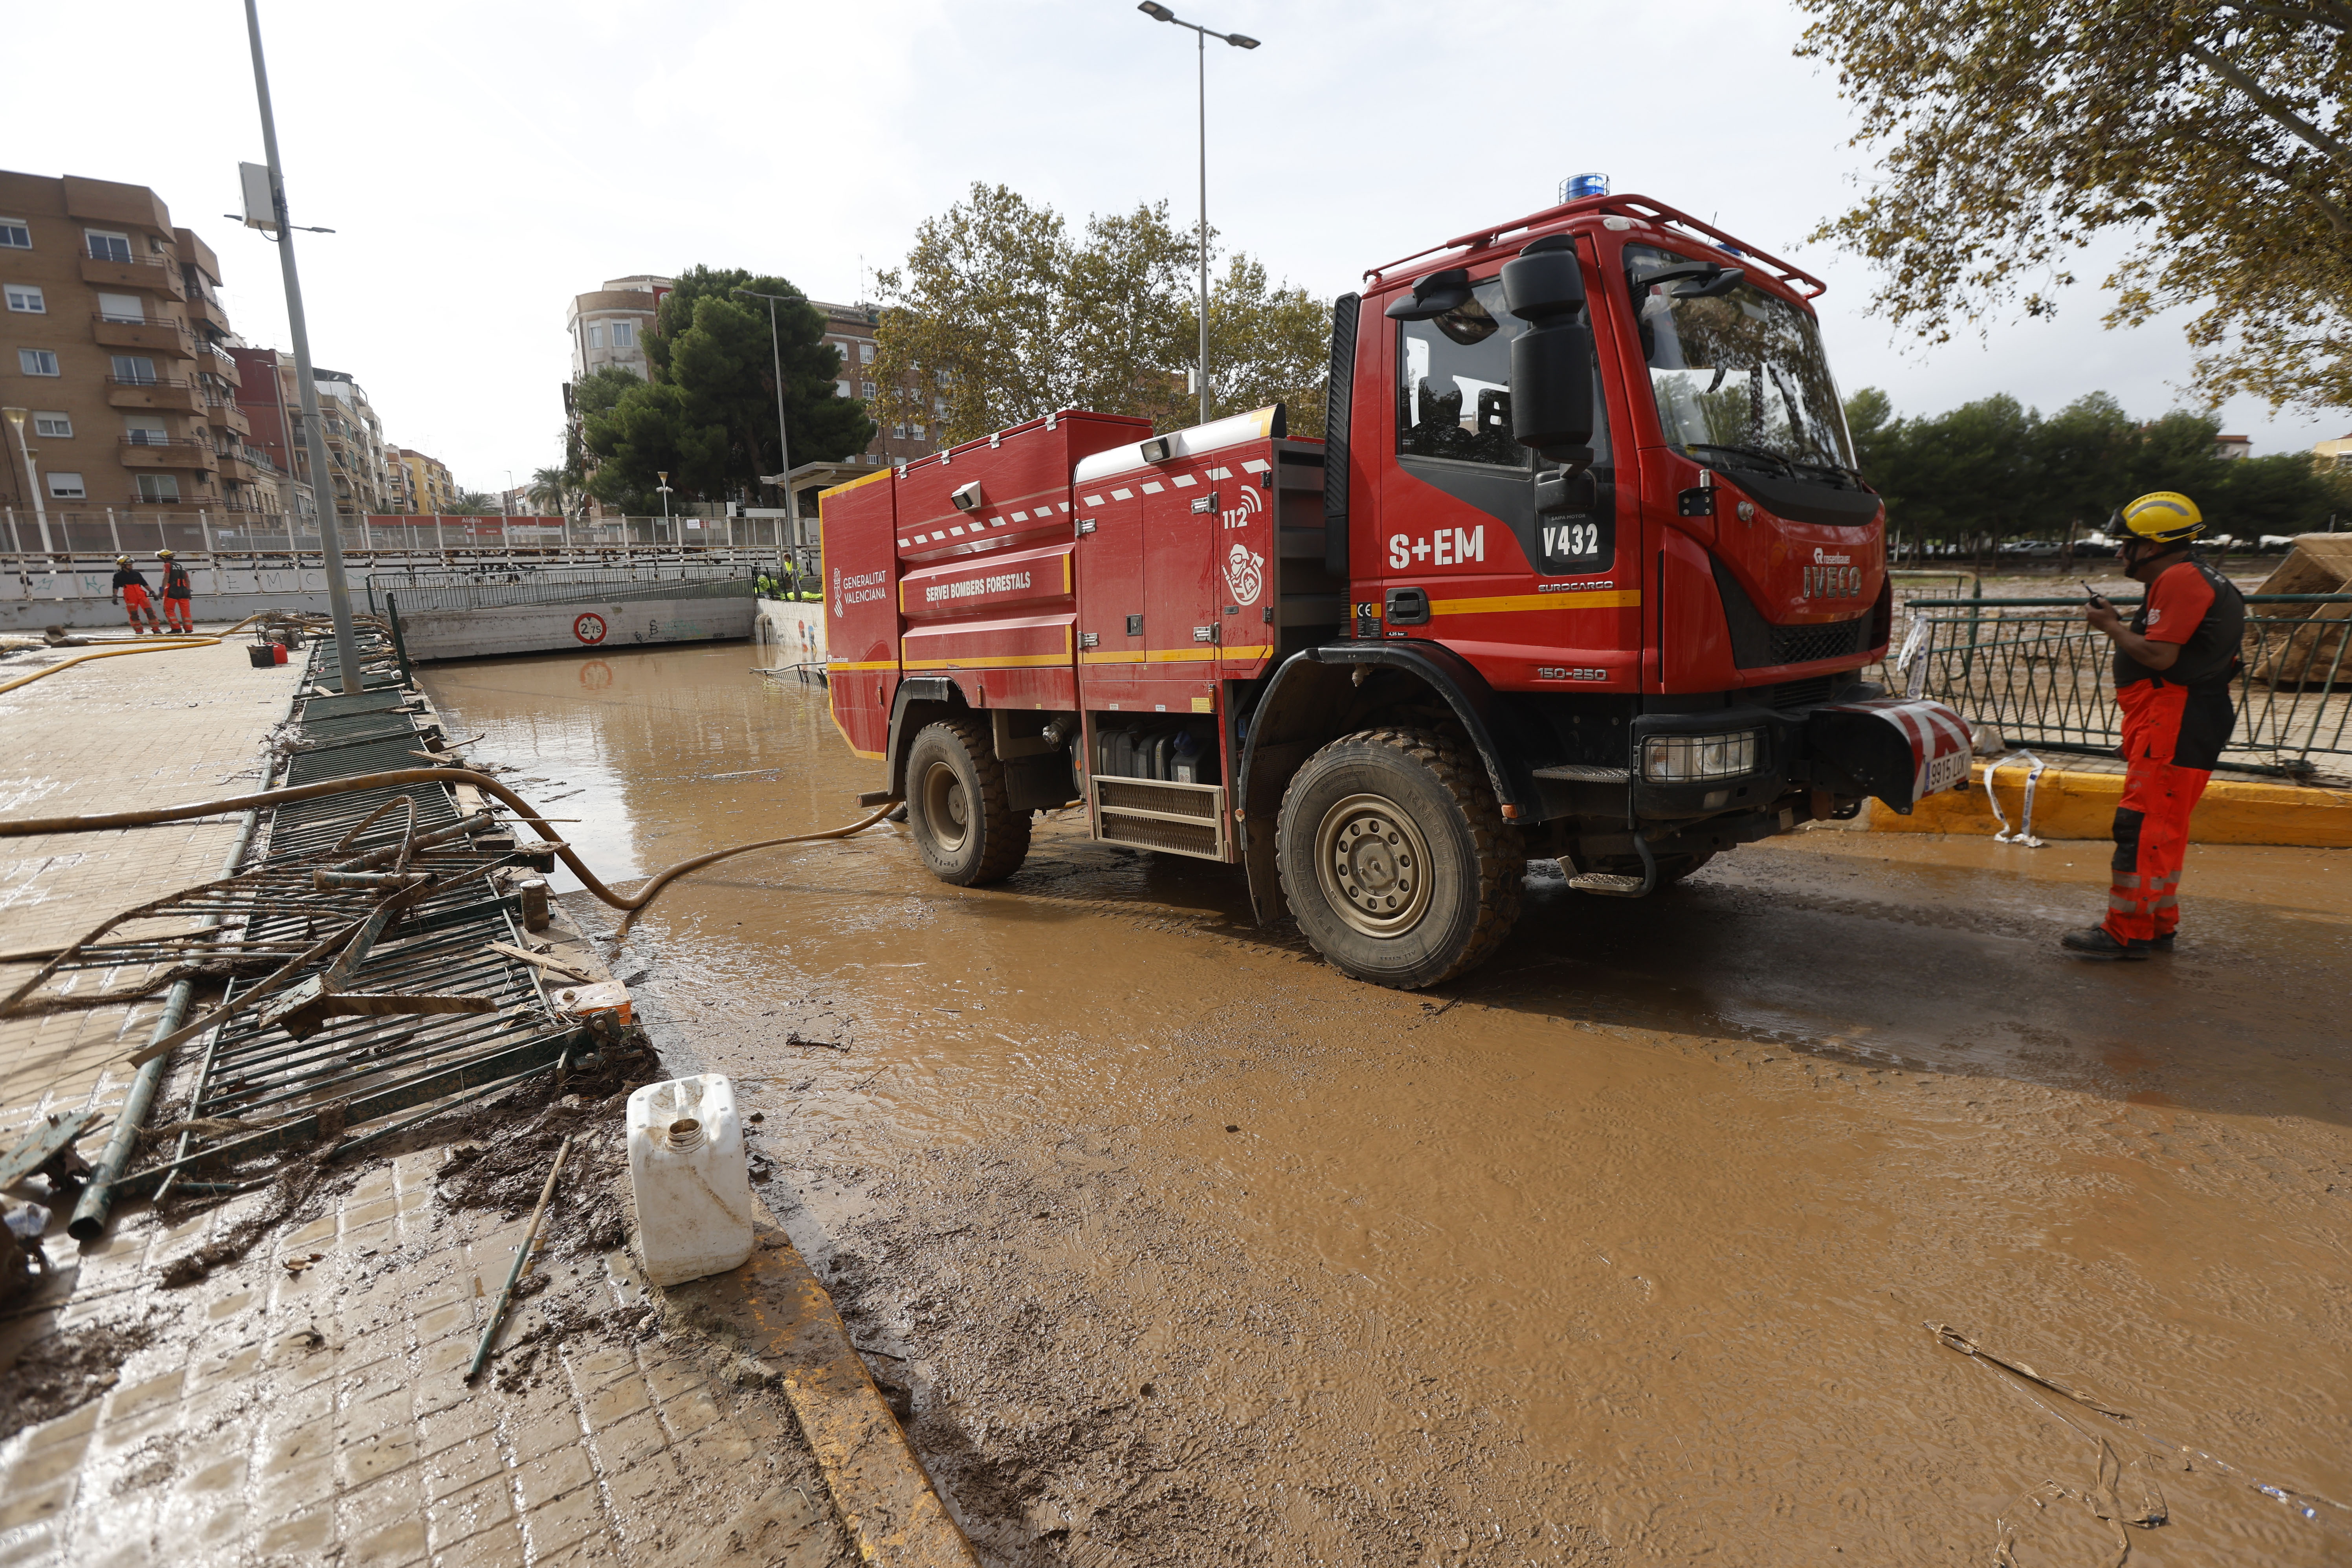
(1743,758)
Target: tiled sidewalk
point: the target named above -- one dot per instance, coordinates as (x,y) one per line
(321,1416)
(116,735)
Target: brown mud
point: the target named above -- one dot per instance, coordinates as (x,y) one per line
(1629,1247)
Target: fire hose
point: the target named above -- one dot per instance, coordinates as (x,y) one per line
(25,827)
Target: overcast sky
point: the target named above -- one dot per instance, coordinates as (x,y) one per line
(483,161)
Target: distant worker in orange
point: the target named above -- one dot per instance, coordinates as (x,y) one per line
(2173,666)
(178,591)
(130,592)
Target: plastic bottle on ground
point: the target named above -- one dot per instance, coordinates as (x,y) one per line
(689,1179)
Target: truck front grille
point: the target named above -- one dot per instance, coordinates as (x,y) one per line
(1801,645)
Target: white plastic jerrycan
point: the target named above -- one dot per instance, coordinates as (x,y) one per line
(689,1178)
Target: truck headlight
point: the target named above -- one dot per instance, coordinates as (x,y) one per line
(1686,758)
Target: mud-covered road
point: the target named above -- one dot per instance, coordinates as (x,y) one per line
(1185,1249)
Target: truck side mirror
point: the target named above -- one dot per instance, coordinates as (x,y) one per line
(1552,362)
(1433,296)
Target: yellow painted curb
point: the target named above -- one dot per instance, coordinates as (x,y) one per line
(2070,803)
(777,1311)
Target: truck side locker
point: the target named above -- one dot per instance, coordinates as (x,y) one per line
(855,526)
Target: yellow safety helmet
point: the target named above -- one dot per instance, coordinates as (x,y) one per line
(123,560)
(166,556)
(2164,517)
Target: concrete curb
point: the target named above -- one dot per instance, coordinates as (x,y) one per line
(776,1312)
(2076,803)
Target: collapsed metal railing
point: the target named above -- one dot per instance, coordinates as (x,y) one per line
(2032,669)
(362,982)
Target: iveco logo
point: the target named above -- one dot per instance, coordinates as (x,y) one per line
(1833,582)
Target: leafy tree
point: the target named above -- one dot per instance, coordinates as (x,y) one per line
(474,503)
(707,418)
(1000,314)
(2015,130)
(551,489)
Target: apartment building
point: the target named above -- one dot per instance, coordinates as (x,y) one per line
(431,490)
(356,454)
(850,329)
(114,342)
(266,392)
(2336,454)
(608,327)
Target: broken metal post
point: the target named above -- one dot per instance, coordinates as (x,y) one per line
(523,1256)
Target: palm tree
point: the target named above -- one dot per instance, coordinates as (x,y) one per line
(550,490)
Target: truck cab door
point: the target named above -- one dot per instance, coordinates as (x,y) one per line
(1470,518)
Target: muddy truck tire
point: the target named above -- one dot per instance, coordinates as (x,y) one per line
(1396,859)
(963,822)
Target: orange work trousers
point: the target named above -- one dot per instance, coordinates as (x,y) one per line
(136,604)
(179,612)
(2152,817)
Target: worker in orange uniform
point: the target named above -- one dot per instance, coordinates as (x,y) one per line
(2173,666)
(177,593)
(130,592)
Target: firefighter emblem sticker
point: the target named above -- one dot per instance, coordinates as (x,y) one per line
(1244,574)
(589,629)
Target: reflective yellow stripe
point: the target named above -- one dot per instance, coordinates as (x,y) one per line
(825,495)
(1587,599)
(870,664)
(999,661)
(1173,655)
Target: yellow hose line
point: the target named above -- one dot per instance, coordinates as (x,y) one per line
(150,645)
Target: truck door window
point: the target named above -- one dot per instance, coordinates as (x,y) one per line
(1453,399)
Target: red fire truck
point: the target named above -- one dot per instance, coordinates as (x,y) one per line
(1582,568)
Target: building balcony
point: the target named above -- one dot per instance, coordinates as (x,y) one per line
(153,337)
(238,468)
(202,311)
(156,274)
(169,455)
(225,413)
(220,362)
(176,396)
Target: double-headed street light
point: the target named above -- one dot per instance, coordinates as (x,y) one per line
(1158,13)
(783,442)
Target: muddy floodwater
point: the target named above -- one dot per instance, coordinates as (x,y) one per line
(1178,1248)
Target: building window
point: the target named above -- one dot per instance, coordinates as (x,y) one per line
(37,361)
(15,234)
(624,334)
(133,370)
(159,487)
(121,308)
(596,334)
(146,430)
(105,246)
(54,427)
(865,353)
(940,407)
(945,379)
(25,298)
(67,487)
(840,388)
(865,389)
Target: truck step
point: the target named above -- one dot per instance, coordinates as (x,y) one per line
(1609,883)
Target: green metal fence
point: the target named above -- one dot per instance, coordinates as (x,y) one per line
(2032,669)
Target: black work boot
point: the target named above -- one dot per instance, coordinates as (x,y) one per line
(2162,944)
(2098,942)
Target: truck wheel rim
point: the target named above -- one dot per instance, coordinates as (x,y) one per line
(1374,866)
(944,806)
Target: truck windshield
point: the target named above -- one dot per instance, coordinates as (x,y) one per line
(1740,379)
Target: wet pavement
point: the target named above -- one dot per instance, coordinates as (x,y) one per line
(1182,1248)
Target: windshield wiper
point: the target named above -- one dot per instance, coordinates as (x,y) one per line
(1787,467)
(1840,471)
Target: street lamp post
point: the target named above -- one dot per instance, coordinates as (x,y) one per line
(784,441)
(664,488)
(330,545)
(1158,13)
(41,508)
